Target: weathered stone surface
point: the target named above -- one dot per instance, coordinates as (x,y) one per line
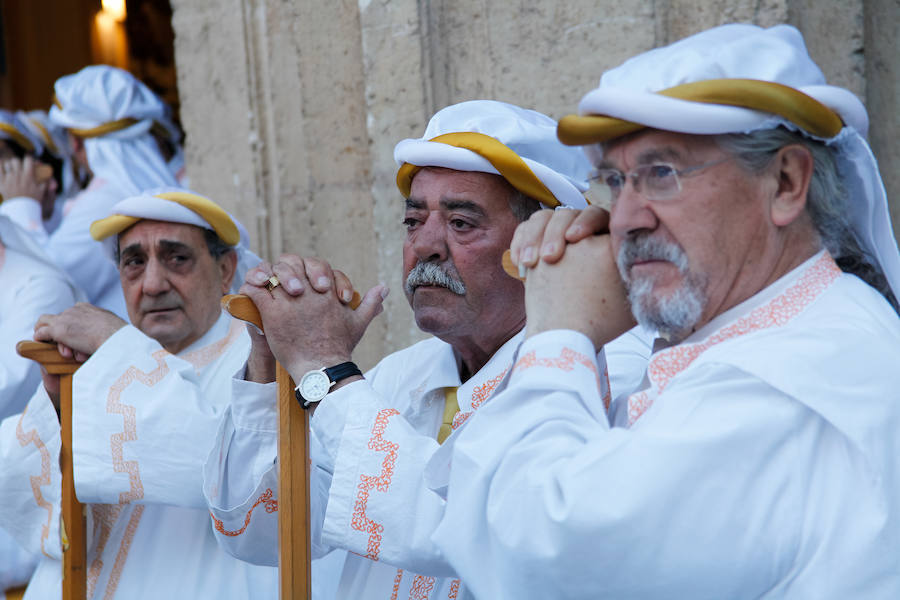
(292,108)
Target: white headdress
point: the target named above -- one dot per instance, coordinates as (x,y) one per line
(739,79)
(487,136)
(114,113)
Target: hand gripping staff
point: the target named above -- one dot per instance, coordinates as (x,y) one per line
(294,553)
(72,521)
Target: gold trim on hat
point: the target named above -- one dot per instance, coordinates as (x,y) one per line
(17,136)
(211,212)
(509,164)
(800,109)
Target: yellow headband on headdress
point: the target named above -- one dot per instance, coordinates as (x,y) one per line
(509,164)
(804,111)
(17,136)
(111,126)
(217,218)
(48,139)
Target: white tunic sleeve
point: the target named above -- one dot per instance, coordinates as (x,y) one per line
(30,478)
(26,213)
(240,478)
(139,419)
(705,497)
(42,293)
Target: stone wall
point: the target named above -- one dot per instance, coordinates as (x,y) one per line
(292,109)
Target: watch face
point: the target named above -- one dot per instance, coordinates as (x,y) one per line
(314,385)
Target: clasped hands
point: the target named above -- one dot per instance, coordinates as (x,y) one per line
(307,320)
(572,280)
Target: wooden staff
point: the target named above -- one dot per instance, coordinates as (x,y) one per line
(294,553)
(72,525)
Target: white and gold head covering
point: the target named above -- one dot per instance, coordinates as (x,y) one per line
(114,113)
(14,129)
(487,136)
(739,79)
(176,205)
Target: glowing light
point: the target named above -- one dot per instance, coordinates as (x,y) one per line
(115,9)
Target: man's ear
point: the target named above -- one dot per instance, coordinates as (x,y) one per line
(228,265)
(793,165)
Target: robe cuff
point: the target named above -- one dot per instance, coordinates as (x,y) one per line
(24,212)
(254,406)
(331,418)
(554,359)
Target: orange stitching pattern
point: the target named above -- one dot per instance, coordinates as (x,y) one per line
(480,394)
(397,579)
(204,356)
(271,505)
(776,313)
(129,429)
(484,391)
(566,361)
(198,358)
(421,587)
(360,521)
(454,590)
(122,555)
(105,516)
(37,481)
(459,418)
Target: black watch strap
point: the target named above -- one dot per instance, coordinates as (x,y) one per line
(342,371)
(335,374)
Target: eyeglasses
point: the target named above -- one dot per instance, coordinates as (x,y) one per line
(655,181)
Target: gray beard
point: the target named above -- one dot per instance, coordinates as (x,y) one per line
(674,316)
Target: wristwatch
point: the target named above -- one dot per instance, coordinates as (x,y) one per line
(315,385)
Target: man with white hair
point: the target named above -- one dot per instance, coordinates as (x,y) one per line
(115,124)
(147,401)
(480,169)
(750,226)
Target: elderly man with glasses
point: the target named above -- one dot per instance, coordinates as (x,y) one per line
(760,458)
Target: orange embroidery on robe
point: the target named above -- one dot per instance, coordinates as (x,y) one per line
(207,354)
(566,361)
(484,391)
(454,590)
(397,579)
(198,358)
(479,395)
(360,521)
(129,430)
(421,587)
(270,503)
(105,516)
(38,480)
(776,313)
(122,555)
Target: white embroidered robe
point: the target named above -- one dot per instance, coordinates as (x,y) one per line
(374,437)
(762,461)
(144,421)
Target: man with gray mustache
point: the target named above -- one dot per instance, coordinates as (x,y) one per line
(429,273)
(479,170)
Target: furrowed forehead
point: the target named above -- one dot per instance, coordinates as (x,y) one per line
(146,235)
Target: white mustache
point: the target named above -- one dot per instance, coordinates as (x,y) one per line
(430,273)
